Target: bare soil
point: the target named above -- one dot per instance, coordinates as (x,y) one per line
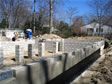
(10,61)
(101,73)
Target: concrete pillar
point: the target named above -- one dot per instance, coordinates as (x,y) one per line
(102,50)
(55,47)
(62,45)
(1,56)
(41,49)
(102,44)
(19,53)
(31,52)
(36,42)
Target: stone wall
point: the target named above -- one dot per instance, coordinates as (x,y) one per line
(43,71)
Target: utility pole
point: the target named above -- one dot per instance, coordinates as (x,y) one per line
(34,18)
(51,17)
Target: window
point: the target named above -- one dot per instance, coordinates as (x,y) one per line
(97,30)
(90,30)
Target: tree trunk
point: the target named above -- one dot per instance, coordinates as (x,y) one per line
(34,18)
(100,25)
(9,24)
(51,17)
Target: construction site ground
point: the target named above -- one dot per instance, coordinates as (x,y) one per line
(99,73)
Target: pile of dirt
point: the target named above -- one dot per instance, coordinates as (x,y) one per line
(50,36)
(105,70)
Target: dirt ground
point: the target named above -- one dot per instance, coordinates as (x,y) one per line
(10,61)
(100,73)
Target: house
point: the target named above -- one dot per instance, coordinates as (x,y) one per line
(93,29)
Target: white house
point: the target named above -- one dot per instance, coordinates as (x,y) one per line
(93,29)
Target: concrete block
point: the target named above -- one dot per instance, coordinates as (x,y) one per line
(102,50)
(54,68)
(63,59)
(37,73)
(96,47)
(75,58)
(41,49)
(55,47)
(31,52)
(67,61)
(21,74)
(36,43)
(19,53)
(49,62)
(91,50)
(6,75)
(78,55)
(88,50)
(100,45)
(1,57)
(83,54)
(62,43)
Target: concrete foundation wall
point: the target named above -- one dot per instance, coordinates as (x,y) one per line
(71,44)
(67,45)
(43,71)
(9,46)
(50,45)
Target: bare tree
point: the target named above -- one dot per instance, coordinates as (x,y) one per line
(108,13)
(34,17)
(51,16)
(98,8)
(47,10)
(15,11)
(77,24)
(43,12)
(22,10)
(71,13)
(108,8)
(53,4)
(6,8)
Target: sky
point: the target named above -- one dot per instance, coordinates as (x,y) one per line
(80,5)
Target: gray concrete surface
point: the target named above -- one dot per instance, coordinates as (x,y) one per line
(48,69)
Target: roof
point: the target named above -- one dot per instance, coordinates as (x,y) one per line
(94,25)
